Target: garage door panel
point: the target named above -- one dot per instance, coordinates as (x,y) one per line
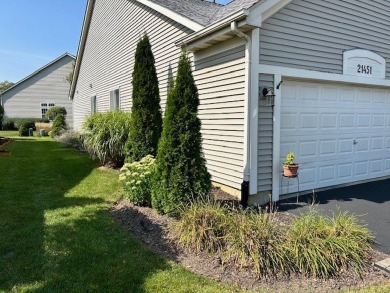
(339,133)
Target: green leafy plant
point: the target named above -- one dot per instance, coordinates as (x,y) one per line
(52,112)
(289,160)
(24,126)
(59,126)
(136,178)
(146,120)
(104,136)
(9,124)
(181,168)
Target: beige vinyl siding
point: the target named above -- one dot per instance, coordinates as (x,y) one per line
(47,86)
(265,137)
(220,79)
(108,60)
(312,34)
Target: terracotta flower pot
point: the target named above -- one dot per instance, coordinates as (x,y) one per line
(290,170)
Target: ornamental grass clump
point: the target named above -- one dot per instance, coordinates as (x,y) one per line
(136,178)
(322,247)
(202,226)
(104,136)
(255,240)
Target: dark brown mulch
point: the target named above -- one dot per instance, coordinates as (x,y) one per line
(4,141)
(152,229)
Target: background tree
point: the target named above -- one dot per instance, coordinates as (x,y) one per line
(5,85)
(52,112)
(69,77)
(181,173)
(146,120)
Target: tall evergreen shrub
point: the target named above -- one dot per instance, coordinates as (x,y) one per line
(59,125)
(181,173)
(146,120)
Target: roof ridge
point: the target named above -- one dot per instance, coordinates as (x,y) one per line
(39,70)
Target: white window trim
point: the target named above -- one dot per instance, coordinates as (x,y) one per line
(47,107)
(119,98)
(96,104)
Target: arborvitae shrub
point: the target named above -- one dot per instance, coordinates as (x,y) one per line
(181,173)
(59,125)
(146,120)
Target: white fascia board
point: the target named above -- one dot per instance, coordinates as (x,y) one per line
(173,15)
(264,10)
(39,70)
(213,28)
(321,76)
(80,50)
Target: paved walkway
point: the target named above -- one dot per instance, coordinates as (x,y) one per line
(371,201)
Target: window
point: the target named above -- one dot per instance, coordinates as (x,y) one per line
(45,107)
(93,105)
(114,100)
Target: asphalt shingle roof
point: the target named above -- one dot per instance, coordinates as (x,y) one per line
(205,12)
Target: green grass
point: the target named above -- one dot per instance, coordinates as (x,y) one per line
(56,234)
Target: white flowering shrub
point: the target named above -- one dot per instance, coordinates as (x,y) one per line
(136,178)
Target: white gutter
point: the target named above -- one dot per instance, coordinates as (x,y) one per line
(248,54)
(214,27)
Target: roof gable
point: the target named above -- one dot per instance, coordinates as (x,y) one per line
(39,70)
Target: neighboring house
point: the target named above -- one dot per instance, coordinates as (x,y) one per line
(326,61)
(45,88)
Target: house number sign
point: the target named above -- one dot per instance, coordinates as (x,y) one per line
(364,63)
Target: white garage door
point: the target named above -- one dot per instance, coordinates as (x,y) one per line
(339,133)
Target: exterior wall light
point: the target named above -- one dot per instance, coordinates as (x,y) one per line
(267,95)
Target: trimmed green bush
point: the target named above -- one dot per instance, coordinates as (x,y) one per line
(52,112)
(181,172)
(9,124)
(31,121)
(1,116)
(146,120)
(104,136)
(136,178)
(25,127)
(59,126)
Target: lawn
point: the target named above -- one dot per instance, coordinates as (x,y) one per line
(56,234)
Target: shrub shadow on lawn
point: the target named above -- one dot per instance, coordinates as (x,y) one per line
(56,232)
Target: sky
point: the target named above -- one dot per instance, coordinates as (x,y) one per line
(35,32)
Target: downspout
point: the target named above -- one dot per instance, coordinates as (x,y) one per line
(246,171)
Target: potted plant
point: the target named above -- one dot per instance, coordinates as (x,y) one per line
(290,168)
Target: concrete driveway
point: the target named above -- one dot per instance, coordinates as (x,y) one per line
(370,201)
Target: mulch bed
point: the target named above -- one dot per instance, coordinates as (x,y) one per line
(4,141)
(152,229)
